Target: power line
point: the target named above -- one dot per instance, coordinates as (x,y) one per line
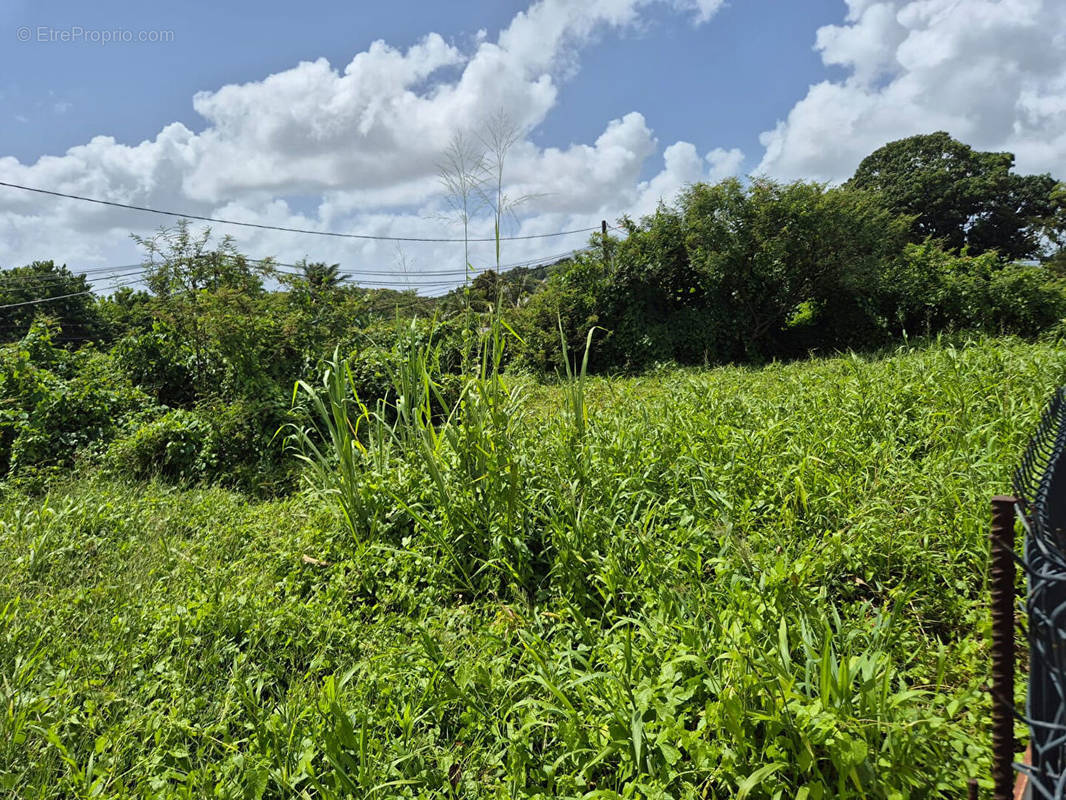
(17,281)
(412,280)
(40,300)
(419,274)
(361,284)
(44,300)
(260,226)
(97,273)
(442,273)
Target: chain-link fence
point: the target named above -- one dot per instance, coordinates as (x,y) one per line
(1040,488)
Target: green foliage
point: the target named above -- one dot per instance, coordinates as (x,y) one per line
(320,278)
(737,583)
(731,273)
(203,293)
(571,297)
(350,448)
(165,447)
(722,276)
(747,273)
(60,406)
(70,303)
(220,443)
(128,311)
(160,362)
(929,290)
(960,196)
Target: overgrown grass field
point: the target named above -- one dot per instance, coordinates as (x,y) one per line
(738,582)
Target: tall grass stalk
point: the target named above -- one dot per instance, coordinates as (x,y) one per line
(337,463)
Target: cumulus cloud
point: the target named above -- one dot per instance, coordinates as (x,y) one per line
(682,166)
(356,149)
(991,72)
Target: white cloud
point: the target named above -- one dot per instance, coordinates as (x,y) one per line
(703,9)
(990,72)
(358,147)
(682,166)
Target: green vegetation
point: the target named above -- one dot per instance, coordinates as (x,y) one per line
(737,582)
(961,196)
(699,512)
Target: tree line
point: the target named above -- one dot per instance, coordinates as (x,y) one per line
(190,377)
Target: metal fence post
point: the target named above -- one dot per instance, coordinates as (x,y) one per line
(1001,579)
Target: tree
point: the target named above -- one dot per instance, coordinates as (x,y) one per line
(1054,229)
(722,276)
(734,272)
(203,289)
(960,196)
(128,310)
(69,302)
(321,278)
(316,281)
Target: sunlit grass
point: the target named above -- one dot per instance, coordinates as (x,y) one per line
(695,583)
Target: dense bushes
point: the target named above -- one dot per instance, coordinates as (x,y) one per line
(159,406)
(160,362)
(131,411)
(928,290)
(167,446)
(731,273)
(748,273)
(60,407)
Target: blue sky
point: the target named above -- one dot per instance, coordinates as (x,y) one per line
(333,116)
(719,84)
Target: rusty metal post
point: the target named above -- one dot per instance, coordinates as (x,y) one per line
(1001,580)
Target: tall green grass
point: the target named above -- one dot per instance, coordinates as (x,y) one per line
(762,583)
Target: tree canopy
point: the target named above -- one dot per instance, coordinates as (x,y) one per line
(68,296)
(961,196)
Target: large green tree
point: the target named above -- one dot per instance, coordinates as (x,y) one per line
(732,271)
(44,289)
(732,265)
(961,196)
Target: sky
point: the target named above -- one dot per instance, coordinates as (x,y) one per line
(334,116)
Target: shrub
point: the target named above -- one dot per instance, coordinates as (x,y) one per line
(61,405)
(159,362)
(167,447)
(240,449)
(929,290)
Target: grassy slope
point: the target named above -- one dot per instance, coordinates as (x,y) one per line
(758,581)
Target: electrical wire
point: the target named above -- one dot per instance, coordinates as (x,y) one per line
(260,226)
(12,281)
(39,300)
(365,284)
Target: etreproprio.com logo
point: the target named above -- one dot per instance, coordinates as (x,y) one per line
(75,34)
